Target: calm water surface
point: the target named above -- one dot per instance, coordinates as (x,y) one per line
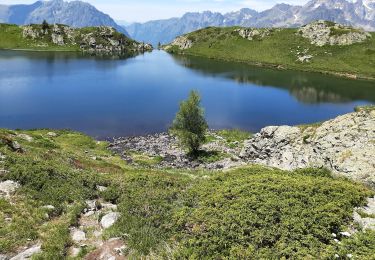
(140,95)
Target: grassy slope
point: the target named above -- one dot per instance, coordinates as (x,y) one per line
(252,212)
(280,49)
(11,38)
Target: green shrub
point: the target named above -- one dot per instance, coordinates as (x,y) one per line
(190,125)
(256,213)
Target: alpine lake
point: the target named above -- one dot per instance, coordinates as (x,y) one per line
(116,96)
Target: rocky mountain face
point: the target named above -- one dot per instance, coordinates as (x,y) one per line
(75,13)
(345,145)
(358,14)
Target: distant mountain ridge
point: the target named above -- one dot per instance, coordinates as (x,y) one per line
(75,13)
(359,14)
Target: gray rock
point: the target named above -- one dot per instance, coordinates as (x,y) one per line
(57,39)
(78,235)
(26,137)
(109,206)
(28,253)
(49,207)
(15,146)
(369,209)
(51,134)
(101,188)
(323,33)
(91,204)
(109,219)
(7,188)
(344,145)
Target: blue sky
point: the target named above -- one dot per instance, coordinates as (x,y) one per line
(144,10)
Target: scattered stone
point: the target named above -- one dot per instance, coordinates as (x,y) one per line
(16,147)
(334,235)
(109,219)
(8,188)
(26,137)
(49,207)
(305,58)
(322,33)
(109,206)
(345,234)
(366,222)
(91,205)
(52,134)
(74,252)
(101,188)
(28,253)
(89,213)
(78,235)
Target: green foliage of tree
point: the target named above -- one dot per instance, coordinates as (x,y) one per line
(190,125)
(45,25)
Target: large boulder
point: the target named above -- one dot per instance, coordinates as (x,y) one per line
(345,145)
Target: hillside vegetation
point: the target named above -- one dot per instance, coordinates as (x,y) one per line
(59,37)
(251,212)
(283,49)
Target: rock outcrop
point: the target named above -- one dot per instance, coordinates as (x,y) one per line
(322,33)
(345,145)
(182,42)
(255,33)
(101,39)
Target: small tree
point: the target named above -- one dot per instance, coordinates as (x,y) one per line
(190,125)
(45,25)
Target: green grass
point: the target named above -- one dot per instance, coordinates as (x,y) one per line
(234,135)
(11,38)
(252,212)
(364,108)
(280,50)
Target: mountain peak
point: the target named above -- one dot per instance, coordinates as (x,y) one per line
(73,13)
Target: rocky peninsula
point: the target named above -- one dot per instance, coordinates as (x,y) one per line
(55,37)
(321,46)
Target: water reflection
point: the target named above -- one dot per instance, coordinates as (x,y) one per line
(309,88)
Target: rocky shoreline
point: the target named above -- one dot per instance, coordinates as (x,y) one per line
(345,145)
(165,150)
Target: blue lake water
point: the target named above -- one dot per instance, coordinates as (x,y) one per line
(107,97)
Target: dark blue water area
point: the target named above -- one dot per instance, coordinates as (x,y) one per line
(108,97)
